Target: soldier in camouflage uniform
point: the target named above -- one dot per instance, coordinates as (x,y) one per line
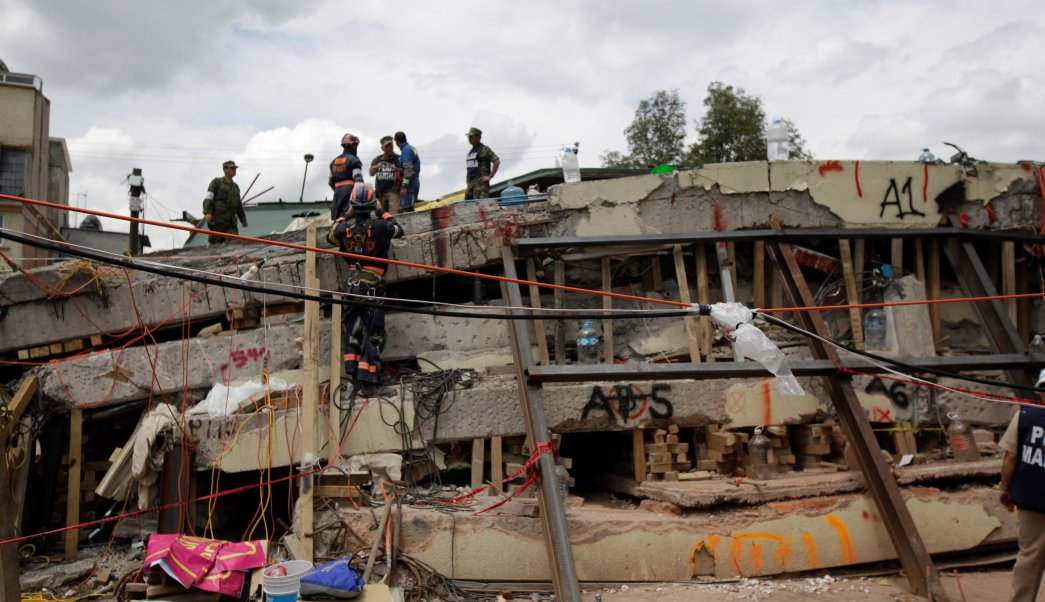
(223,205)
(481,164)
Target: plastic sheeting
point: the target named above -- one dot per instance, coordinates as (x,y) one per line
(734,320)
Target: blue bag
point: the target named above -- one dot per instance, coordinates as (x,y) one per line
(334,580)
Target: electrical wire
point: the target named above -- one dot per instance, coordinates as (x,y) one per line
(882,362)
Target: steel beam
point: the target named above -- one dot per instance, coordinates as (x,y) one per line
(645,372)
(914,557)
(788,235)
(553,508)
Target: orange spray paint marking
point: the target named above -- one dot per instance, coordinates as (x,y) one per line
(848,553)
(767,404)
(756,556)
(693,555)
(712,543)
(734,553)
(814,559)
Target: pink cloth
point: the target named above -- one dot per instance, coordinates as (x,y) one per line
(212,565)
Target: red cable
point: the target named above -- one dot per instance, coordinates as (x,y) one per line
(336,253)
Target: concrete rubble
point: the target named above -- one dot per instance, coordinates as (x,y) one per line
(150,339)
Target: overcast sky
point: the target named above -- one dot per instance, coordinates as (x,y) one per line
(178,87)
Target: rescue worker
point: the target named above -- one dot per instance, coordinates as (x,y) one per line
(1023,487)
(388,173)
(223,205)
(345,171)
(364,229)
(411,163)
(481,164)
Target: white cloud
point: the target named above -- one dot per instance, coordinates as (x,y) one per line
(178,88)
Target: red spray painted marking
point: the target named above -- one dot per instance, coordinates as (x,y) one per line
(767,404)
(830,166)
(925,183)
(856,176)
(717,220)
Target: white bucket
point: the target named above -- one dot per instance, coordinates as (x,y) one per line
(285,587)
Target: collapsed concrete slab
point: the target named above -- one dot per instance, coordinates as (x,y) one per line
(613,544)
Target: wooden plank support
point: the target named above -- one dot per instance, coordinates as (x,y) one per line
(337,367)
(638,454)
(10,505)
(914,556)
(496,465)
(560,325)
(896,257)
(309,393)
(932,288)
(531,400)
(72,501)
(759,277)
(607,305)
(535,302)
(478,462)
(690,321)
(1008,278)
(703,296)
(852,293)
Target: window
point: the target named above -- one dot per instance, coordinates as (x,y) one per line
(13,164)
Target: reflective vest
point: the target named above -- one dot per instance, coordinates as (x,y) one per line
(1028,485)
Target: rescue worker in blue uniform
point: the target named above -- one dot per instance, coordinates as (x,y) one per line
(345,171)
(364,230)
(1023,487)
(411,163)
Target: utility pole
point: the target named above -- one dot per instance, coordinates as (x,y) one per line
(137,183)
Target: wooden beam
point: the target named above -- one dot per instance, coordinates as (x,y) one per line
(607,305)
(731,255)
(759,278)
(496,466)
(703,296)
(26,389)
(638,454)
(690,322)
(896,258)
(1008,279)
(560,325)
(919,260)
(72,500)
(932,288)
(309,394)
(535,302)
(10,501)
(478,462)
(658,276)
(337,367)
(852,293)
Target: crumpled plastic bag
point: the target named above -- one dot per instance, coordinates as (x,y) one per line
(223,400)
(734,320)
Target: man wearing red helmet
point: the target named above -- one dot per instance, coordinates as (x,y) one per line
(366,231)
(345,171)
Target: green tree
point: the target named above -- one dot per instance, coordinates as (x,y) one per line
(656,135)
(733,127)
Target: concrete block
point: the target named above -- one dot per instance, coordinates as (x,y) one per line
(909,333)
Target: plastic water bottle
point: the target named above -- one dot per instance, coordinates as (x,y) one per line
(874,328)
(587,344)
(562,480)
(571,167)
(758,455)
(512,191)
(926,156)
(963,444)
(776,141)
